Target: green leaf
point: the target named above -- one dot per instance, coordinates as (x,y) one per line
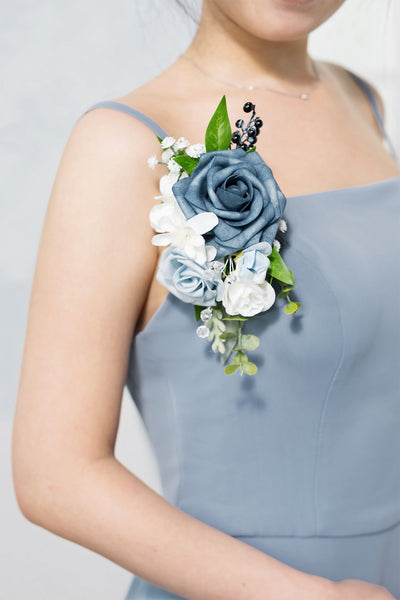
(250,368)
(229,369)
(235,318)
(197,311)
(250,342)
(187,162)
(227,334)
(239,357)
(253,149)
(219,132)
(159,139)
(292,307)
(278,269)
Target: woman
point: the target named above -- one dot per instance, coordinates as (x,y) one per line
(280,486)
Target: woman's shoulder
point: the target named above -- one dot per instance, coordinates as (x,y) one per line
(344,78)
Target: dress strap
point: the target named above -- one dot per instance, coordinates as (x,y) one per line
(369,92)
(133,112)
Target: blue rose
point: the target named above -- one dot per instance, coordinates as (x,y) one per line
(187,279)
(241,190)
(253,263)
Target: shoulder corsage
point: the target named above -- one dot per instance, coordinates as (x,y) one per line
(219,212)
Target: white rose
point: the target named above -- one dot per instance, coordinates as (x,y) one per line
(247,298)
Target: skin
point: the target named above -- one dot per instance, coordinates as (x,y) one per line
(90,294)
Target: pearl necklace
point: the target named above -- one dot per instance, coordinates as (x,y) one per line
(301,96)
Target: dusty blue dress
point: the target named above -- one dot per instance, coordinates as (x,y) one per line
(302,460)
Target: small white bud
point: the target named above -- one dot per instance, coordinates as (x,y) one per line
(152,161)
(282,226)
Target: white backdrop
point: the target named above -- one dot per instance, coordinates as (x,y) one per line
(57,58)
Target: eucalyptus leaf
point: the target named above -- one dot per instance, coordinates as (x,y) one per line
(250,368)
(278,269)
(229,369)
(235,318)
(219,132)
(250,342)
(292,307)
(227,334)
(240,357)
(187,162)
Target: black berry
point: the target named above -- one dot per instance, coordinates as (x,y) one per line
(235,137)
(248,107)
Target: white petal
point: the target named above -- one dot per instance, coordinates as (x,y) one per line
(211,251)
(166,183)
(203,222)
(161,239)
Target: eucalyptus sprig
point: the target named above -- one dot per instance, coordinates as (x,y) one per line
(246,342)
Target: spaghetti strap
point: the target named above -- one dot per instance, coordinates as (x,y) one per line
(369,92)
(133,112)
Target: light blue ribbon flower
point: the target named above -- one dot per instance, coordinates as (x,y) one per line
(187,279)
(253,263)
(241,190)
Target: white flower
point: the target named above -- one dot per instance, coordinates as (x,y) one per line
(167,154)
(165,215)
(282,225)
(202,331)
(195,150)
(152,161)
(277,244)
(167,142)
(186,233)
(181,143)
(173,166)
(166,183)
(247,298)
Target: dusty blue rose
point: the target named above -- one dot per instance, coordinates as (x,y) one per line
(254,262)
(240,189)
(187,279)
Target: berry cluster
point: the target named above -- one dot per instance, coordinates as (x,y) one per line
(248,136)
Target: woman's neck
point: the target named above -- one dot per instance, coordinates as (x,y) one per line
(225,50)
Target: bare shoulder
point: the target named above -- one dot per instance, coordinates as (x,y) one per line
(113,133)
(349,85)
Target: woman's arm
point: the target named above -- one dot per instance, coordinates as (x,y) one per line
(94,267)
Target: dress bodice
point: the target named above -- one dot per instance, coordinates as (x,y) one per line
(310,445)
